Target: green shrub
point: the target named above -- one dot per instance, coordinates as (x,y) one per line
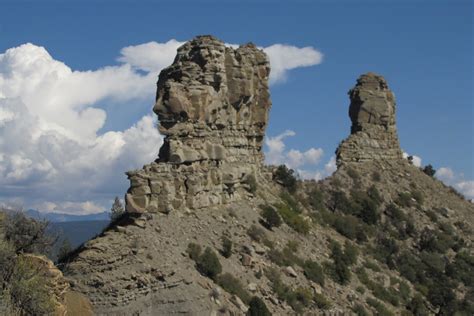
(376,176)
(359,310)
(7,261)
(252,183)
(270,217)
(365,205)
(417,306)
(208,264)
(28,289)
(257,307)
(27,235)
(372,266)
(297,299)
(316,199)
(435,241)
(350,253)
(117,210)
(233,285)
(405,292)
(379,307)
(404,199)
(353,174)
(256,233)
(64,250)
(429,170)
(226,247)
(347,225)
(462,268)
(340,202)
(290,201)
(286,257)
(194,251)
(286,177)
(321,301)
(339,271)
(313,271)
(386,250)
(292,218)
(418,196)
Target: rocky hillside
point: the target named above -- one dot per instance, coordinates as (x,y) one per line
(211,230)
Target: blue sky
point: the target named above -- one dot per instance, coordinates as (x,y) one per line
(423,48)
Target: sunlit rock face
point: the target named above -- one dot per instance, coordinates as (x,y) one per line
(212,104)
(373,131)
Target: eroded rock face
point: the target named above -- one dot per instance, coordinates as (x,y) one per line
(373,131)
(212,104)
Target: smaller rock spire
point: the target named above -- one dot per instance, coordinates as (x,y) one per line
(373,131)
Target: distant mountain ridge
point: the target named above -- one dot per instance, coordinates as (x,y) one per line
(62,217)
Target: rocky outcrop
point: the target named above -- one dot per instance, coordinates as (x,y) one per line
(212,104)
(57,285)
(373,131)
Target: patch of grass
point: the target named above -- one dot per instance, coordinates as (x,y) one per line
(316,199)
(233,285)
(313,271)
(379,307)
(290,213)
(298,299)
(321,301)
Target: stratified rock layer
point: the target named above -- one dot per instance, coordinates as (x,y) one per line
(373,131)
(212,104)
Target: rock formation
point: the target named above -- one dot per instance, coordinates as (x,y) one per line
(373,131)
(212,104)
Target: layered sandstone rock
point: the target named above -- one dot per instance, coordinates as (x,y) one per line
(373,131)
(212,104)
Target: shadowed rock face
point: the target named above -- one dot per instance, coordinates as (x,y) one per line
(373,131)
(212,104)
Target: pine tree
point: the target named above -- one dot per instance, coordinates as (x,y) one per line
(117,210)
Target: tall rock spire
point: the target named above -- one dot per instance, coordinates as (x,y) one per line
(373,131)
(212,104)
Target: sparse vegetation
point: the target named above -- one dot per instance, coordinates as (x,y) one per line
(208,264)
(290,213)
(226,247)
(233,285)
(257,307)
(313,271)
(252,183)
(256,233)
(429,170)
(342,260)
(117,210)
(28,290)
(194,251)
(27,235)
(286,177)
(270,217)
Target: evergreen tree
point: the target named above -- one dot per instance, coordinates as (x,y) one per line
(117,210)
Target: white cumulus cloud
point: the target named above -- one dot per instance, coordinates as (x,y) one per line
(304,162)
(53,154)
(416,159)
(456,180)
